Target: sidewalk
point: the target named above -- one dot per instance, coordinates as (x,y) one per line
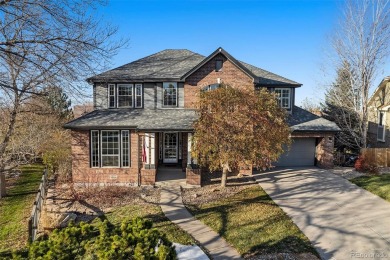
(173,208)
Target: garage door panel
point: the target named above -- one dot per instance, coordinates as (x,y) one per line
(301,153)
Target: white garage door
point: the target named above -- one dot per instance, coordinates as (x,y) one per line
(301,153)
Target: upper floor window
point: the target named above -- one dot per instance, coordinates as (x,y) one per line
(124,95)
(218,65)
(211,87)
(381,134)
(284,97)
(170,94)
(111,95)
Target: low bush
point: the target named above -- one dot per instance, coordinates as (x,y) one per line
(363,164)
(134,239)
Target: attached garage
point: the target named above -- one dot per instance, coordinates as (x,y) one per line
(302,153)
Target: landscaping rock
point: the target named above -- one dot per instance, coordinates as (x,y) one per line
(66,219)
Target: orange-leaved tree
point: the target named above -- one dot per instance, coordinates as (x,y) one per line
(237,126)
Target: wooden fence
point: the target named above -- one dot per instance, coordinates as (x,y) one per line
(379,156)
(33,222)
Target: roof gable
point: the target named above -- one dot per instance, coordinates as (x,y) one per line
(228,56)
(176,65)
(376,95)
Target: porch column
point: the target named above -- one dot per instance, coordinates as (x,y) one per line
(190,159)
(149,151)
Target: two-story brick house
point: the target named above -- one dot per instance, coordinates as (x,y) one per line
(144,113)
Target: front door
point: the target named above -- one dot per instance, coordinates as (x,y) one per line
(170,148)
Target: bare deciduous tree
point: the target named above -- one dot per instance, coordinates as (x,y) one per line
(47,43)
(362,41)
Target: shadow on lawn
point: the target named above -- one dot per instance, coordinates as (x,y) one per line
(257,226)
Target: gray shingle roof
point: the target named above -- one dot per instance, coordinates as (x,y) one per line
(303,120)
(142,119)
(180,120)
(172,65)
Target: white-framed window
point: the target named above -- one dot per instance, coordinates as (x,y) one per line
(170,93)
(284,97)
(110,148)
(125,145)
(95,158)
(109,140)
(125,95)
(111,95)
(138,95)
(381,134)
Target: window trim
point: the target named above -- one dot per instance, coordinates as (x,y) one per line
(109,95)
(98,150)
(383,125)
(135,95)
(122,146)
(101,149)
(176,96)
(132,94)
(281,97)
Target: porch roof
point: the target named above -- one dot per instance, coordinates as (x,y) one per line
(302,120)
(141,119)
(181,120)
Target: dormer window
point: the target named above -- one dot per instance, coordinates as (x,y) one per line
(218,65)
(124,95)
(284,97)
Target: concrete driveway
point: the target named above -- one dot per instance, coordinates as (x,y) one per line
(341,220)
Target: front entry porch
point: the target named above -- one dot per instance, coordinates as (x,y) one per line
(167,154)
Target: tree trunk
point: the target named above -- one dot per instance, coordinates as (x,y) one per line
(225,170)
(2,185)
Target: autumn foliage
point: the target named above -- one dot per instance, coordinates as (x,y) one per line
(236,126)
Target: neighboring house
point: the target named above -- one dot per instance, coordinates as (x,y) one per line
(144,112)
(80,110)
(379,116)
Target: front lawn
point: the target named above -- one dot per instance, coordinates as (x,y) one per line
(15,209)
(377,184)
(251,222)
(151,212)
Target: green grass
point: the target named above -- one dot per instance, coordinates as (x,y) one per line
(377,184)
(15,209)
(252,223)
(153,213)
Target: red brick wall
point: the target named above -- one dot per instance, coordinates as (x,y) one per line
(194,176)
(83,173)
(206,75)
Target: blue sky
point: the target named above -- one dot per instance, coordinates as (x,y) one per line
(288,38)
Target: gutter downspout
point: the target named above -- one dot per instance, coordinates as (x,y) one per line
(139,164)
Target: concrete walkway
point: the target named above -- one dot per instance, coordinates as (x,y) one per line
(342,220)
(173,208)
